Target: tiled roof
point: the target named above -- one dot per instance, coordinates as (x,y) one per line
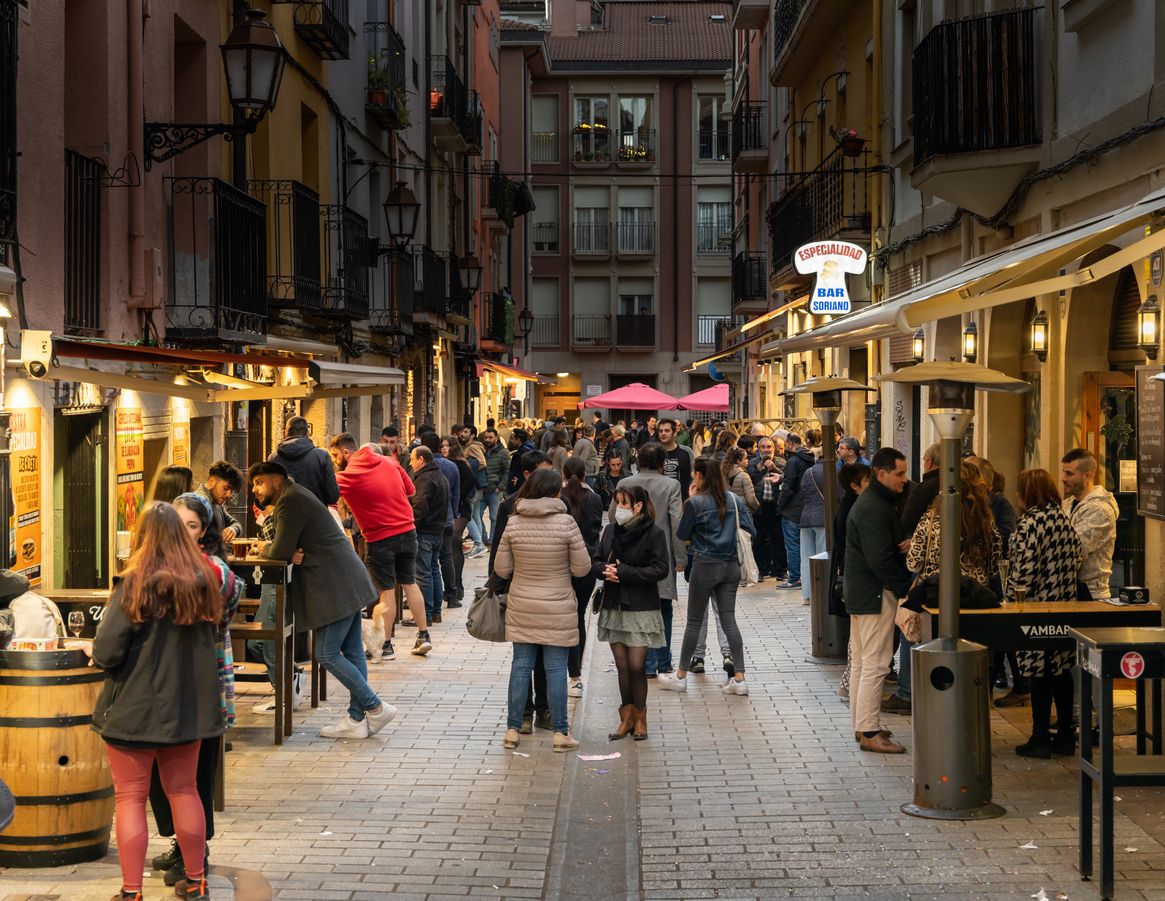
(632,38)
(517,25)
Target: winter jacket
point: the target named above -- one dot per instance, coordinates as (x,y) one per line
(873,562)
(453,478)
(623,446)
(162,683)
(837,558)
(584,449)
(309,466)
(669,510)
(467,482)
(740,484)
(641,552)
(1004,515)
(497,467)
(1045,556)
(757,470)
(925,554)
(713,538)
(1094,519)
(515,478)
(431,500)
(558,457)
(539,552)
(789,500)
(590,519)
(377,490)
(12,585)
(919,497)
(813,497)
(331,584)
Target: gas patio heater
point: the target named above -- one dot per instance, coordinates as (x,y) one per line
(830,634)
(950,683)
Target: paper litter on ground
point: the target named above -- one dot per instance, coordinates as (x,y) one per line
(1030,846)
(614,756)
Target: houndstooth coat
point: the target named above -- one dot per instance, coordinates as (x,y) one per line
(1045,560)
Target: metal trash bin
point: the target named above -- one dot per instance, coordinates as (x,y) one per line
(830,634)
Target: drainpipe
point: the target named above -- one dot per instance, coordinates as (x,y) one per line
(137,141)
(877,217)
(675,221)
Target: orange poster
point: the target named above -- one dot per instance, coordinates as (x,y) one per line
(181,453)
(25,529)
(130,477)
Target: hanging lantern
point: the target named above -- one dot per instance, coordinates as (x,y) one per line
(918,346)
(1147,327)
(971,342)
(1039,336)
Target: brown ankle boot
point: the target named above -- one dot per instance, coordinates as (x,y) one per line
(626,722)
(640,732)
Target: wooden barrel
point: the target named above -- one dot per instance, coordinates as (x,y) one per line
(54,763)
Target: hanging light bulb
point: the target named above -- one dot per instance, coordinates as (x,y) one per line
(918,346)
(1148,333)
(971,342)
(1039,336)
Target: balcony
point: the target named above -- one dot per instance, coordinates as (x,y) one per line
(708,327)
(448,106)
(592,239)
(749,279)
(545,237)
(749,15)
(714,238)
(294,247)
(82,244)
(636,239)
(591,331)
(218,264)
(637,331)
(544,147)
(458,302)
(750,137)
(506,198)
(392,301)
(715,145)
(348,253)
(545,332)
(591,146)
(386,99)
(977,110)
(636,148)
(323,26)
(473,125)
(498,315)
(433,292)
(803,33)
(830,202)
(723,327)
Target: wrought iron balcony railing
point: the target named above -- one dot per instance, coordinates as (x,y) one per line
(546,237)
(635,330)
(434,290)
(707,328)
(83,224)
(544,147)
(591,143)
(498,313)
(591,330)
(386,100)
(714,237)
(785,16)
(347,259)
(545,332)
(636,237)
(715,144)
(637,146)
(294,247)
(749,278)
(323,26)
(391,310)
(749,127)
(592,238)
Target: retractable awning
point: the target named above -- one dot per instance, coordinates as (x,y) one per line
(1027,269)
(729,350)
(352,379)
(512,372)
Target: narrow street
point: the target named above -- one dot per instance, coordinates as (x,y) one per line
(758,797)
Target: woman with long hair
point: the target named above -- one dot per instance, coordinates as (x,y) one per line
(711,518)
(725,441)
(540,549)
(853,479)
(631,559)
(462,509)
(161,697)
(1045,563)
(737,479)
(173,481)
(559,450)
(614,470)
(583,503)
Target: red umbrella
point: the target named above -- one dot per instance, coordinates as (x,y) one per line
(635,396)
(710,400)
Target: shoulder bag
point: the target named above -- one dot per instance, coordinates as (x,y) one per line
(909,621)
(486,618)
(599,597)
(749,574)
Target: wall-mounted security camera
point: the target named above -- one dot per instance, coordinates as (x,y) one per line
(36,352)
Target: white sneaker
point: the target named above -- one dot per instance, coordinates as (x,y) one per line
(347,728)
(377,721)
(297,691)
(267,708)
(477,551)
(671,682)
(736,687)
(574,690)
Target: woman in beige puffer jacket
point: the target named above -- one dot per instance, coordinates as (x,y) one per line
(540,549)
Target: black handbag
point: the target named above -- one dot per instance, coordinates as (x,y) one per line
(600,594)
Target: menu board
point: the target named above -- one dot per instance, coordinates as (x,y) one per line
(1150,443)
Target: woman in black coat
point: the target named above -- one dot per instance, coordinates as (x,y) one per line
(632,558)
(853,477)
(462,509)
(585,505)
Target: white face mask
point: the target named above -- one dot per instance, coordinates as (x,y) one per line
(624,515)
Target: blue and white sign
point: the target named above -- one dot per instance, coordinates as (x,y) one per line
(831,262)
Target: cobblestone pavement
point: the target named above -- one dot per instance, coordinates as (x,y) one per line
(762,797)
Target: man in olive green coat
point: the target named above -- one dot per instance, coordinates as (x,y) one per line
(875,577)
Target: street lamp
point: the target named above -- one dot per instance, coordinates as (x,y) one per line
(918,346)
(971,342)
(253,60)
(401,212)
(470,267)
(1148,334)
(525,326)
(1039,336)
(949,676)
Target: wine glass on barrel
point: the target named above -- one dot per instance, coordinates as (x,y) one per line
(76,622)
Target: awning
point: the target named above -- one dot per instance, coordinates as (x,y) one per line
(512,372)
(730,350)
(710,400)
(171,356)
(352,379)
(1027,269)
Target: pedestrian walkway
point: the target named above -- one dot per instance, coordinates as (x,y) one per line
(762,797)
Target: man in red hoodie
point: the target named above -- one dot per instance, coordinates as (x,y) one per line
(377,490)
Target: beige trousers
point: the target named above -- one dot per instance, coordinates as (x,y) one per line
(871,639)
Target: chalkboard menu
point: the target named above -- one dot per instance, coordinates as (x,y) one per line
(1150,443)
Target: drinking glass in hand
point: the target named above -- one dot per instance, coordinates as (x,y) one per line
(76,622)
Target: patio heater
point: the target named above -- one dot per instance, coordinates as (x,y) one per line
(950,683)
(830,634)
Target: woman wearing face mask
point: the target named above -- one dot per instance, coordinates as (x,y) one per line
(631,560)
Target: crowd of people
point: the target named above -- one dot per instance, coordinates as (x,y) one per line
(605,518)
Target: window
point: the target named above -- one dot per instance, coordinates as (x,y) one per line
(546,305)
(636,220)
(592,220)
(713,220)
(544,139)
(592,129)
(591,320)
(713,309)
(546,219)
(714,132)
(636,135)
(636,297)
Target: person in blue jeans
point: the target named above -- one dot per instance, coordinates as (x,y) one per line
(430,509)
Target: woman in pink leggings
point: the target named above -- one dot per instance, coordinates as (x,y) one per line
(161,696)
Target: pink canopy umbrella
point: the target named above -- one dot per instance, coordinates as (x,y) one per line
(635,396)
(710,400)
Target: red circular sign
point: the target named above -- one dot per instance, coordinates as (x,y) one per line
(1132,665)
